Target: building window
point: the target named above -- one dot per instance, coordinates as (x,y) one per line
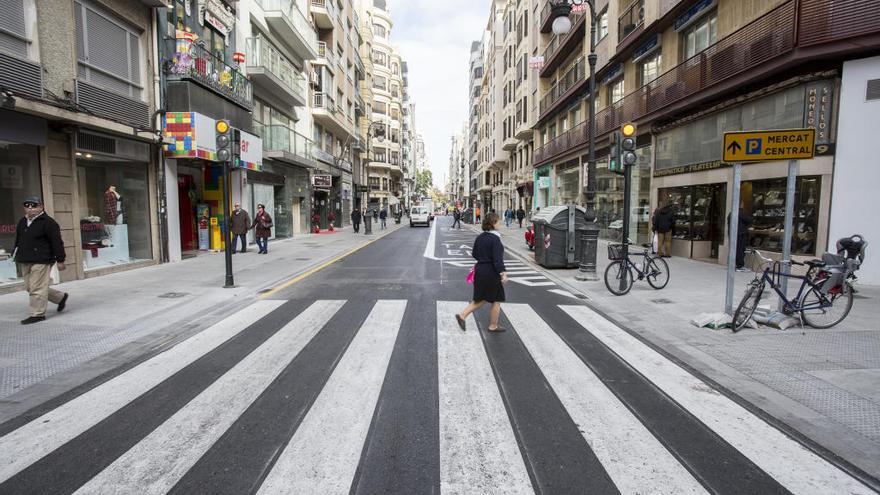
(649,69)
(379,30)
(602,26)
(379,58)
(394,68)
(108,51)
(380,82)
(700,35)
(380,107)
(615,91)
(13,28)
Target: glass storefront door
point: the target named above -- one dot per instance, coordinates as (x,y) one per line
(19,178)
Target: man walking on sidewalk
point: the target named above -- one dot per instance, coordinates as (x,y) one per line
(38,246)
(520,215)
(662,224)
(356,220)
(383,216)
(241,222)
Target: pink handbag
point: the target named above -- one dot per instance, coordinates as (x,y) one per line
(470,276)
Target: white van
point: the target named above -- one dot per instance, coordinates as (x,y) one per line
(419,215)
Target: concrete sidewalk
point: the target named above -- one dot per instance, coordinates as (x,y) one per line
(114,319)
(823,383)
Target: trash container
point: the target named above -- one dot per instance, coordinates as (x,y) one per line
(557,233)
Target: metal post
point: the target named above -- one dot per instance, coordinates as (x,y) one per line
(230,282)
(789,227)
(627,207)
(590,238)
(732,229)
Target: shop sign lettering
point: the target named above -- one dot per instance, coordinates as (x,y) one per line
(8,229)
(818,110)
(762,146)
(322,181)
(687,169)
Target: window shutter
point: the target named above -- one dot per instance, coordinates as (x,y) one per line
(108,45)
(12,28)
(134,50)
(873,90)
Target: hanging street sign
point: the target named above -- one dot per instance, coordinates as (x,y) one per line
(765,146)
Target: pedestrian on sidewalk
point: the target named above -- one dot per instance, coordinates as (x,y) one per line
(240,224)
(356,220)
(263,225)
(456,218)
(662,224)
(520,215)
(508,217)
(477,215)
(383,216)
(490,274)
(742,237)
(38,246)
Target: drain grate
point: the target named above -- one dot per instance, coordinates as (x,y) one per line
(302,259)
(172,295)
(661,301)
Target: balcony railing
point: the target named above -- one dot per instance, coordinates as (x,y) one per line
(575,74)
(293,15)
(631,19)
(282,138)
(325,4)
(185,59)
(551,47)
(261,53)
(323,100)
(756,43)
(325,53)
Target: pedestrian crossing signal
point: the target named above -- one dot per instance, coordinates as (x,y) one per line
(614,163)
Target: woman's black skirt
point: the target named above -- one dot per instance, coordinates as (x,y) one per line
(488,288)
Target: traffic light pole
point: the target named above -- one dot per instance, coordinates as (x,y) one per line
(227,224)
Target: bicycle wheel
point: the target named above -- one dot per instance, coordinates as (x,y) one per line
(658,273)
(747,306)
(618,278)
(841,304)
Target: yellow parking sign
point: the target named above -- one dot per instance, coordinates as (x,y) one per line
(764,146)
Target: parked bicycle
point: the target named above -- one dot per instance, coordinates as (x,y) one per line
(825,296)
(619,273)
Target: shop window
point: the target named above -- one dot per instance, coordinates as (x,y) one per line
(108,51)
(699,217)
(114,212)
(765,200)
(567,185)
(700,35)
(19,178)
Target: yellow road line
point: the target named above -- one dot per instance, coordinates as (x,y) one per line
(318,268)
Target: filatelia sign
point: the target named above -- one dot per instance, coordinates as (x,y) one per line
(322,181)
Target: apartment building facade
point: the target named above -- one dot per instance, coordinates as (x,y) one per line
(78,128)
(685,72)
(475,79)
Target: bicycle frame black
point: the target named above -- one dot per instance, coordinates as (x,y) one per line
(644,254)
(793,303)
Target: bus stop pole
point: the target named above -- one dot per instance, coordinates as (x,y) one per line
(732,229)
(789,228)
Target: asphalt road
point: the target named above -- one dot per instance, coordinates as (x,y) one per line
(357,379)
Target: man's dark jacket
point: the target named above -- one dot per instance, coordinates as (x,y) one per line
(40,243)
(664,219)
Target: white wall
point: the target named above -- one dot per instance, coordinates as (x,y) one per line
(856,172)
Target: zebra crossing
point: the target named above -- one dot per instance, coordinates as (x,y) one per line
(286,396)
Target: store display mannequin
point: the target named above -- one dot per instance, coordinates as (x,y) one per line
(113,206)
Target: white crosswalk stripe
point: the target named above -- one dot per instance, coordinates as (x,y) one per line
(481,449)
(50,431)
(633,457)
(323,455)
(478,450)
(155,464)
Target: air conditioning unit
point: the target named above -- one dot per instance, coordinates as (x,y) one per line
(313,78)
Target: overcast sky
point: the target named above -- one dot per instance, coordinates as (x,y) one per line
(434,37)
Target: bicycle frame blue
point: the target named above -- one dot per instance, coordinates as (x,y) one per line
(793,303)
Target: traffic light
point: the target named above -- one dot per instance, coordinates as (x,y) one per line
(614,163)
(224,140)
(628,155)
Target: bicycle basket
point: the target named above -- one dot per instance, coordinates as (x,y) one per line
(755,261)
(615,252)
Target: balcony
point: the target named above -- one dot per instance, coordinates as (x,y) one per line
(328,114)
(546,18)
(523,131)
(283,143)
(509,144)
(273,75)
(560,47)
(631,19)
(567,85)
(732,61)
(325,56)
(323,12)
(293,28)
(186,60)
(359,105)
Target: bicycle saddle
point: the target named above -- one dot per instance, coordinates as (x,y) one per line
(814,263)
(647,245)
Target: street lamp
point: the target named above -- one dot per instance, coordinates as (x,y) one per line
(560,9)
(379,131)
